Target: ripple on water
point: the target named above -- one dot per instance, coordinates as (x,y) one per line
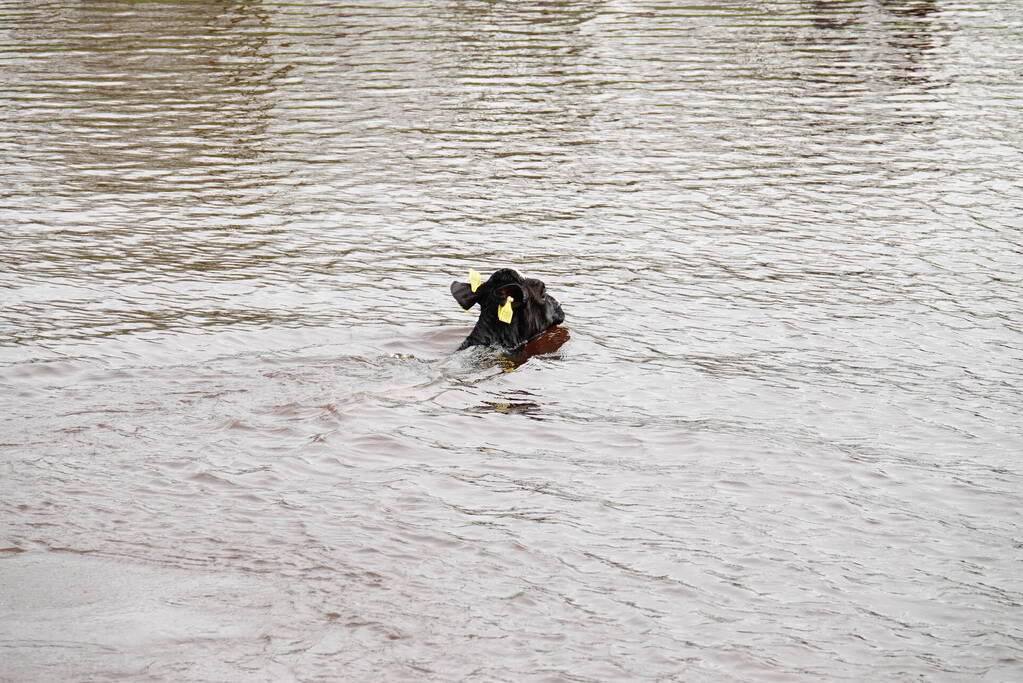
(777,440)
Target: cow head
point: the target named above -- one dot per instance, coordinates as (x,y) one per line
(513,309)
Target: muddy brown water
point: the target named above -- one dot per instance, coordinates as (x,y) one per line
(778,437)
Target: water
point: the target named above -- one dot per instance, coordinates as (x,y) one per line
(780,440)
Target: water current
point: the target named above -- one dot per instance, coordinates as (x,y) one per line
(778,436)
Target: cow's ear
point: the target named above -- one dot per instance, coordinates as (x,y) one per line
(514,291)
(535,289)
(464,295)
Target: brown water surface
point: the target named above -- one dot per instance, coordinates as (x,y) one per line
(777,439)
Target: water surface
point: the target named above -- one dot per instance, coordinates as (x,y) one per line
(781,441)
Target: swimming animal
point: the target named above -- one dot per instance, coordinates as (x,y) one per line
(513,309)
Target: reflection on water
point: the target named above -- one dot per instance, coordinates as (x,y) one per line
(164,98)
(900,48)
(786,238)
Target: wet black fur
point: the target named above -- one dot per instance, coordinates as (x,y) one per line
(534,311)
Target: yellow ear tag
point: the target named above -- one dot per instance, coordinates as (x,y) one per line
(504,313)
(474,280)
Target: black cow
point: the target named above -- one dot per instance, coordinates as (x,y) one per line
(513,309)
